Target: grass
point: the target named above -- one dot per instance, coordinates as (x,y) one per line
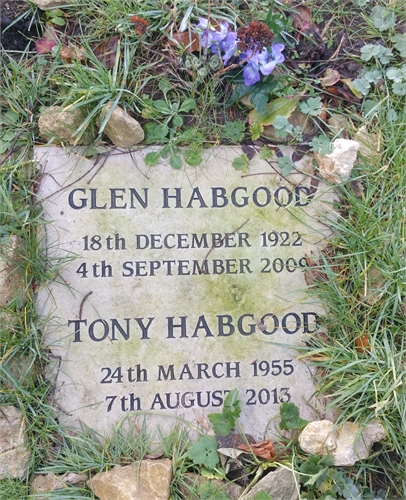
(361,365)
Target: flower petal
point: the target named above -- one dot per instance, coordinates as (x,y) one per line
(251,74)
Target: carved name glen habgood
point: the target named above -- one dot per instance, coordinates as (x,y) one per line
(178,286)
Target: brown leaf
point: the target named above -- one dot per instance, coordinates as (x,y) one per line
(248,150)
(72,53)
(49,40)
(189,40)
(338,91)
(264,449)
(362,343)
(106,51)
(331,76)
(301,18)
(44,45)
(312,272)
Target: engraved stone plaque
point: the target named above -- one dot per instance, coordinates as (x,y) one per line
(178,286)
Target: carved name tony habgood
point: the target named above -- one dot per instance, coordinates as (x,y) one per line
(178,286)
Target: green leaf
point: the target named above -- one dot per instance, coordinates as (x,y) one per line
(4,146)
(162,107)
(256,131)
(224,422)
(277,23)
(165,85)
(399,88)
(241,163)
(266,153)
(177,121)
(372,76)
(383,18)
(232,404)
(260,93)
(282,127)
(176,162)
(193,157)
(209,491)
(369,51)
(312,106)
(362,85)
(282,106)
(187,105)
(59,21)
(240,90)
(155,132)
(321,144)
(204,452)
(215,62)
(261,495)
(234,131)
(285,164)
(290,419)
(152,158)
(399,41)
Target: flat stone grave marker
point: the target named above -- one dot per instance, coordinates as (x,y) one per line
(178,286)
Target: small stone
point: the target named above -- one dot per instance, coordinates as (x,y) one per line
(339,125)
(337,166)
(368,143)
(50,4)
(11,280)
(145,480)
(354,445)
(279,485)
(14,453)
(62,124)
(346,443)
(121,129)
(78,480)
(46,484)
(232,490)
(318,438)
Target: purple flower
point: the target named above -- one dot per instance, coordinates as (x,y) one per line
(211,37)
(229,46)
(251,73)
(274,58)
(263,62)
(224,43)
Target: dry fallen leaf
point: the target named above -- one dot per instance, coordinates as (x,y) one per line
(72,53)
(189,40)
(301,18)
(264,449)
(330,77)
(362,343)
(106,51)
(49,40)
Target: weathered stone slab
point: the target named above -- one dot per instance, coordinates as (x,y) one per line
(145,480)
(182,285)
(14,452)
(11,281)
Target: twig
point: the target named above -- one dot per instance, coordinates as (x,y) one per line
(11,150)
(220,241)
(82,303)
(337,51)
(72,183)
